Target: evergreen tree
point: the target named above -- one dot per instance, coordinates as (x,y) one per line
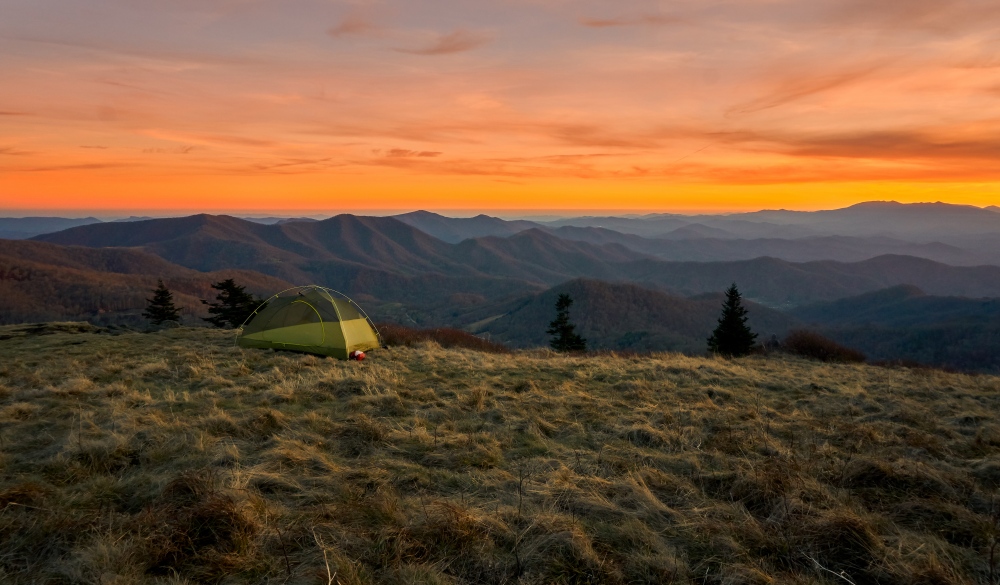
(732,337)
(564,336)
(161,307)
(234,304)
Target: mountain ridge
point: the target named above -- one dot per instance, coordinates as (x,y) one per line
(346,245)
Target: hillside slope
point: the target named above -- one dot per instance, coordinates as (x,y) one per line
(626,317)
(905,323)
(194,461)
(40,282)
(900,306)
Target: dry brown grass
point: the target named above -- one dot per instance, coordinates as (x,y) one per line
(813,345)
(174,457)
(396,335)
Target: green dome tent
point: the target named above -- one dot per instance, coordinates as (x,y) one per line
(311,319)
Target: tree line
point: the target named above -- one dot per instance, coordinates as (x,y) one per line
(231,307)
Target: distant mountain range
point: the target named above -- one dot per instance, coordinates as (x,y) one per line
(22,228)
(840,248)
(913,221)
(381,256)
(952,234)
(456,229)
(500,278)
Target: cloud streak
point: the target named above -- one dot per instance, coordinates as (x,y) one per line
(643,20)
(11,151)
(898,145)
(458,41)
(353,24)
(404,153)
(803,86)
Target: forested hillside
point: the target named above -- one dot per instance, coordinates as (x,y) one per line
(904,323)
(624,316)
(40,282)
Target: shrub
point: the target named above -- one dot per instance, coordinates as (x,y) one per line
(445,337)
(813,345)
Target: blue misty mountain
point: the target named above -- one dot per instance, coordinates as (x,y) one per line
(914,222)
(456,229)
(21,228)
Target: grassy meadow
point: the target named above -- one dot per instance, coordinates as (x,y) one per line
(175,457)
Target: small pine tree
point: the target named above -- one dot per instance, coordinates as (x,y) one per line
(732,337)
(161,307)
(564,336)
(234,304)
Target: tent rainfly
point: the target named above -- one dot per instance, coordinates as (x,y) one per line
(310,319)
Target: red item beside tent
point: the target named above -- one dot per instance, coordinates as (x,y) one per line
(357,355)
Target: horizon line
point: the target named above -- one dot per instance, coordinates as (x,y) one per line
(112,214)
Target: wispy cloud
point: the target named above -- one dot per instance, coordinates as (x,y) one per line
(11,151)
(297,166)
(454,42)
(404,153)
(804,85)
(353,24)
(177,150)
(895,145)
(76,167)
(208,139)
(645,19)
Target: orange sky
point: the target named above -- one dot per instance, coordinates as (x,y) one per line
(319,106)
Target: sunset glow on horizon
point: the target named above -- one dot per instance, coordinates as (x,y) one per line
(326,106)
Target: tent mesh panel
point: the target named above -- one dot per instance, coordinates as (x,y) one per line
(348,312)
(297,313)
